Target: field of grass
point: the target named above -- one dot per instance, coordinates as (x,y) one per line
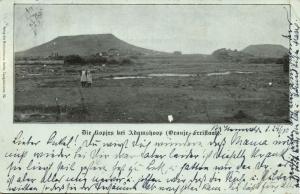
(191,89)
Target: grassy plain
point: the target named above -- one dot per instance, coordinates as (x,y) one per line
(203,91)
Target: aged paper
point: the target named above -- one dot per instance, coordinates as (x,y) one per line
(149,97)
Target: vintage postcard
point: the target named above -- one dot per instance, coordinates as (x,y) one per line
(112,64)
(149,97)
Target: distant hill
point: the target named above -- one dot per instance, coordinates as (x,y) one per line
(224,54)
(266,50)
(84,45)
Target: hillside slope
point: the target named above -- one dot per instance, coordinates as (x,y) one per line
(83,45)
(266,50)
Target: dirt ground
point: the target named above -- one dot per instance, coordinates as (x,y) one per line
(189,89)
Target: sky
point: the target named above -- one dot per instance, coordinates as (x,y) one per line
(186,28)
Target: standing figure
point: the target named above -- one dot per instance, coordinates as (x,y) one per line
(89,79)
(83,78)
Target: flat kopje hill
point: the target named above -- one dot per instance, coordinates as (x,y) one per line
(84,45)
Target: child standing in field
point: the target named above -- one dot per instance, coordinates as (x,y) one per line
(89,79)
(83,78)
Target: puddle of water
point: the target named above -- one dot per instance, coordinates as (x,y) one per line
(174,75)
(171,75)
(244,72)
(28,116)
(34,74)
(228,73)
(153,75)
(24,117)
(129,77)
(219,73)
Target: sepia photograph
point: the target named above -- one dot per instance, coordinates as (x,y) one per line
(83,63)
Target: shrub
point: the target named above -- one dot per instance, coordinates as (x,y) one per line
(126,61)
(134,57)
(96,59)
(74,59)
(112,61)
(285,61)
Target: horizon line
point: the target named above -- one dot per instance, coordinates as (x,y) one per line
(169,52)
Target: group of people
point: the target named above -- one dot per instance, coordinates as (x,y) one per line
(86,78)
